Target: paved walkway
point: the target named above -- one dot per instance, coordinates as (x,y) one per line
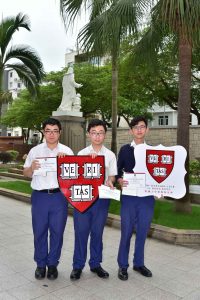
(176,269)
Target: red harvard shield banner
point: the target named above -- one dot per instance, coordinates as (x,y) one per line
(79,178)
(160,163)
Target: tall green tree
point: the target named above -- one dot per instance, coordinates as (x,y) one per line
(28,65)
(109,22)
(178,19)
(25,113)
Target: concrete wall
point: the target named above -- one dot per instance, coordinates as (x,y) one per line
(165,136)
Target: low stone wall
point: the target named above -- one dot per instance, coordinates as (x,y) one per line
(165,136)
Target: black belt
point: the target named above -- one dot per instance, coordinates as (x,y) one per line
(50,191)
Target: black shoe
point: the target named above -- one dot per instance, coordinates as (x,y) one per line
(52,272)
(40,273)
(143,270)
(75,274)
(100,272)
(123,274)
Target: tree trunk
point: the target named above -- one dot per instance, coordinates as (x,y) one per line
(3,127)
(184,104)
(114,103)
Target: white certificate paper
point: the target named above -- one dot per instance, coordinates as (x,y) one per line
(136,182)
(108,193)
(47,164)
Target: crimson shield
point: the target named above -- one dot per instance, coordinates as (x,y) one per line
(160,163)
(79,178)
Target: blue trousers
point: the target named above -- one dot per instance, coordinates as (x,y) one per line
(49,215)
(136,213)
(91,223)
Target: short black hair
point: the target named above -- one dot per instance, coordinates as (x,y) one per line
(51,121)
(138,119)
(96,122)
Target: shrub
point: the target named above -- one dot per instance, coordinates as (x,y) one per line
(195,172)
(14,154)
(5,157)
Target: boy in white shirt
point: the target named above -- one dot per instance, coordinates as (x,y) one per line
(49,206)
(92,221)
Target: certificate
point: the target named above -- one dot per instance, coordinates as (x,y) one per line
(47,164)
(108,193)
(135,183)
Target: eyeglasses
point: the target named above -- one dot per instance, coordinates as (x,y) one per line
(93,133)
(51,131)
(141,127)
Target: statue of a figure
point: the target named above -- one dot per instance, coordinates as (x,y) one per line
(69,91)
(77,103)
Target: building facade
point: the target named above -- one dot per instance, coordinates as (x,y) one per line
(14,85)
(166,116)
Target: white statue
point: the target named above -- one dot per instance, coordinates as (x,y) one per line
(69,91)
(77,103)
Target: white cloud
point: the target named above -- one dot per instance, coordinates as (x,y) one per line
(47,36)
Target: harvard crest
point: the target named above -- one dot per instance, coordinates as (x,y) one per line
(79,178)
(159,163)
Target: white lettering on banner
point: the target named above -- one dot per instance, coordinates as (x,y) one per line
(81,192)
(69,171)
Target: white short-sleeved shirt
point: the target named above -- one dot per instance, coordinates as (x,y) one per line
(50,180)
(110,159)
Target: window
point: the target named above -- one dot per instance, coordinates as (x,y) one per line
(11,74)
(9,133)
(19,85)
(163,120)
(11,84)
(190,120)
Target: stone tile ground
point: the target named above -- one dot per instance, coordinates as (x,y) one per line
(176,269)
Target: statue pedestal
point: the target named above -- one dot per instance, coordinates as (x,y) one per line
(73,132)
(58,113)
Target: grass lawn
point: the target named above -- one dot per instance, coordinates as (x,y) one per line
(164,215)
(18,186)
(164,211)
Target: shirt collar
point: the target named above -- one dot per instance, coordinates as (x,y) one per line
(45,145)
(133,144)
(101,151)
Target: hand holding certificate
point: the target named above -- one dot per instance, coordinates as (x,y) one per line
(107,193)
(135,182)
(47,164)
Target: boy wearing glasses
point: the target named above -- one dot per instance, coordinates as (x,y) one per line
(136,212)
(49,206)
(92,221)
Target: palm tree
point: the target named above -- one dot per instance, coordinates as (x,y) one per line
(179,19)
(28,66)
(109,23)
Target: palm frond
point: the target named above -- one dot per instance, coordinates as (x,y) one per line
(8,26)
(28,57)
(104,32)
(98,7)
(182,16)
(69,10)
(149,45)
(27,77)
